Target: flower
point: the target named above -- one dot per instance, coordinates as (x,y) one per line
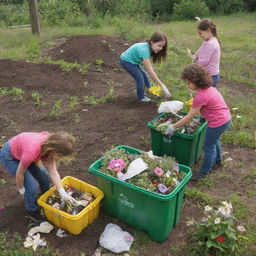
(220,239)
(176,168)
(162,188)
(208,208)
(116,165)
(120,176)
(224,211)
(227,205)
(158,171)
(168,173)
(217,221)
(241,228)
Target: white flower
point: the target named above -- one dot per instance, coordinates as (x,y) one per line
(217,221)
(241,228)
(224,211)
(208,208)
(227,205)
(168,173)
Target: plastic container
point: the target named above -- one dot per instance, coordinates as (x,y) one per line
(72,223)
(157,214)
(186,148)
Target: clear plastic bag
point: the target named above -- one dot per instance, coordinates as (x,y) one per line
(115,239)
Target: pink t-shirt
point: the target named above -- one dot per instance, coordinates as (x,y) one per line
(209,56)
(26,146)
(212,106)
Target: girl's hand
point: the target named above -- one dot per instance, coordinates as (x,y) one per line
(166,92)
(65,196)
(22,191)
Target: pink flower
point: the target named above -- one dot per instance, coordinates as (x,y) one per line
(158,171)
(116,165)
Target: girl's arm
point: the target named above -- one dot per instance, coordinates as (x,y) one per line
(151,72)
(54,175)
(153,75)
(186,119)
(20,177)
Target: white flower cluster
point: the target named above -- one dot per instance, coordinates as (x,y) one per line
(225,210)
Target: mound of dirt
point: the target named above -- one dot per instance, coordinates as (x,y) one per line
(89,48)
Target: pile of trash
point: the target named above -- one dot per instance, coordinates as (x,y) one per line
(83,200)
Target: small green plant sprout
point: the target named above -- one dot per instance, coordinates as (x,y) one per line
(77,118)
(18,93)
(99,62)
(74,101)
(83,69)
(90,100)
(57,109)
(2,181)
(36,98)
(217,233)
(85,84)
(109,97)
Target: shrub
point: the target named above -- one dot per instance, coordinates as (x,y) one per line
(226,6)
(189,9)
(217,233)
(60,12)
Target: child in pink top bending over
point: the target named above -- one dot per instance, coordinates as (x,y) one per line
(208,55)
(31,158)
(210,103)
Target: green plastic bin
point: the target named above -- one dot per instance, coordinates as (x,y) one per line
(154,213)
(186,148)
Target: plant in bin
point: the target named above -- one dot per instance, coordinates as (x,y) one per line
(168,119)
(217,233)
(162,174)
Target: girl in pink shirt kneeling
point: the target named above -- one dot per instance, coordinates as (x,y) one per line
(208,55)
(210,103)
(31,158)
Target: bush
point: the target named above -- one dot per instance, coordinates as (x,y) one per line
(60,12)
(226,6)
(12,15)
(218,233)
(189,9)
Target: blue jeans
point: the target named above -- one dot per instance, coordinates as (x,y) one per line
(140,76)
(215,79)
(33,177)
(212,147)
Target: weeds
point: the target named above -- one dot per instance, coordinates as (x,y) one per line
(201,198)
(74,101)
(36,98)
(18,93)
(57,109)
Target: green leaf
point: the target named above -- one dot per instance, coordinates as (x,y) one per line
(2,181)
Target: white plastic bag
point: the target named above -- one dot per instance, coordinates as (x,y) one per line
(115,239)
(135,167)
(172,106)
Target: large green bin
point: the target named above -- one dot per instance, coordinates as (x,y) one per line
(186,148)
(157,214)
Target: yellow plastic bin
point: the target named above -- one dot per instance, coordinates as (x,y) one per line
(72,223)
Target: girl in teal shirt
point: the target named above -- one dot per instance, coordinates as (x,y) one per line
(155,48)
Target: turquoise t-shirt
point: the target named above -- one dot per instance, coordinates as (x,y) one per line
(136,53)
